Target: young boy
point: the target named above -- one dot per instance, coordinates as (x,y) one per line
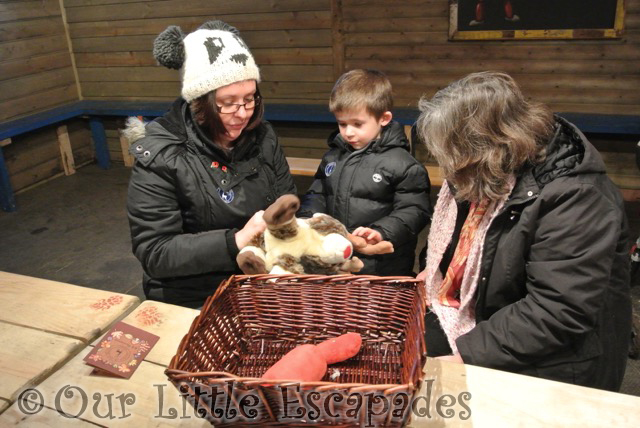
(368,179)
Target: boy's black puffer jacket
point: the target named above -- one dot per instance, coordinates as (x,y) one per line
(382,187)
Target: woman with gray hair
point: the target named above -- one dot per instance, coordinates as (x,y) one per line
(527,265)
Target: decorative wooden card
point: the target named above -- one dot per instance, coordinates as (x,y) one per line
(121,350)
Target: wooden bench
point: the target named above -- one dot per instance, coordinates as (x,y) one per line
(308,167)
(95,110)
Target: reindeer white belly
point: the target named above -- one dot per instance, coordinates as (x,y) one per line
(303,243)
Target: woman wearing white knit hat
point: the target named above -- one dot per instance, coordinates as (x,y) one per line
(204,170)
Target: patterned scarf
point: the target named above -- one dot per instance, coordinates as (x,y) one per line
(449,293)
(453,298)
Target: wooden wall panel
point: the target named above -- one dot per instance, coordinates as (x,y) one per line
(112,41)
(409,42)
(35,62)
(36,73)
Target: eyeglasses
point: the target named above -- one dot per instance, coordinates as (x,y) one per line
(228,108)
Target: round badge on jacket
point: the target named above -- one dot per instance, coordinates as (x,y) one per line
(377,178)
(328,170)
(227,197)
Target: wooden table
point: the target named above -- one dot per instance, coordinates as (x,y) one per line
(474,396)
(146,385)
(27,356)
(502,399)
(171,323)
(64,309)
(43,324)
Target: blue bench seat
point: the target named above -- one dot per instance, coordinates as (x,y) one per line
(96,109)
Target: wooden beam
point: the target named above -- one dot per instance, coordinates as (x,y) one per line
(66,154)
(100,143)
(124,145)
(5,142)
(63,12)
(7,200)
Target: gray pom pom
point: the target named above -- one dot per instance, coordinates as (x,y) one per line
(219,25)
(168,48)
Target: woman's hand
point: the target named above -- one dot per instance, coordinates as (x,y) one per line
(254,226)
(372,236)
(456,358)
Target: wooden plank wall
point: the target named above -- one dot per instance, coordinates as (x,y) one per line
(36,73)
(35,62)
(112,41)
(302,45)
(408,41)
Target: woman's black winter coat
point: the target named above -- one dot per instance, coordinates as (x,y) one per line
(184,208)
(553,295)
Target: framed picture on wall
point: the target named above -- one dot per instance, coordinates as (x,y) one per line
(535,19)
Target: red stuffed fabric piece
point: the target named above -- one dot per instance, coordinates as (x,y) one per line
(308,363)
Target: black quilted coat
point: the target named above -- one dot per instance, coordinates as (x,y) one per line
(553,298)
(187,198)
(380,186)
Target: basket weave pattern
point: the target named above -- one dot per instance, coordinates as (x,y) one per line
(253,320)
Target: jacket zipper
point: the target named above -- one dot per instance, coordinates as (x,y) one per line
(335,196)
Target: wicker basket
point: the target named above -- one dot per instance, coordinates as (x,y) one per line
(253,320)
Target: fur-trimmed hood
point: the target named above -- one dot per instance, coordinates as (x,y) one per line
(134,130)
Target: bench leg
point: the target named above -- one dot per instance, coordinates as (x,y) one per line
(65,150)
(7,201)
(100,143)
(124,146)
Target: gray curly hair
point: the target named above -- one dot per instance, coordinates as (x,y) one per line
(481,130)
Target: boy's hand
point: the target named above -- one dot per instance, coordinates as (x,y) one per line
(254,226)
(372,236)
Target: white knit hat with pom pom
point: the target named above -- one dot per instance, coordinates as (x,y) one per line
(211,57)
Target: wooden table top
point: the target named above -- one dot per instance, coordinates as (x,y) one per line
(147,384)
(43,418)
(65,309)
(452,394)
(170,322)
(27,356)
(502,399)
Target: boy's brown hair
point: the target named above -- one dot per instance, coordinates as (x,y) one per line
(360,88)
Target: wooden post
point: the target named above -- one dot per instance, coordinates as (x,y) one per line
(66,153)
(124,145)
(7,200)
(100,143)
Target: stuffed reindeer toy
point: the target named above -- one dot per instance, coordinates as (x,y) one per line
(317,245)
